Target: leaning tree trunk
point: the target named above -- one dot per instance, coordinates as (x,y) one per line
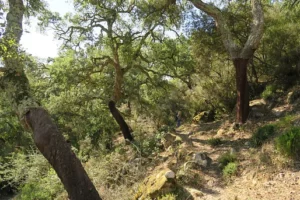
(46,136)
(58,152)
(117,94)
(240,65)
(121,122)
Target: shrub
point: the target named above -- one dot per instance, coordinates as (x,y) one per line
(214,141)
(230,169)
(286,121)
(262,134)
(268,93)
(289,143)
(227,158)
(168,197)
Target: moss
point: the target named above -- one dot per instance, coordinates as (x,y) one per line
(155,185)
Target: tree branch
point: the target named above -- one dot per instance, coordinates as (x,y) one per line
(256,32)
(221,24)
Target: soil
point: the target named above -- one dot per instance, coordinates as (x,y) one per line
(262,173)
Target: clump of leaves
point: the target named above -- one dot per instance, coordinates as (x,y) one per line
(226,158)
(286,121)
(289,143)
(167,197)
(262,134)
(269,92)
(214,141)
(230,169)
(150,144)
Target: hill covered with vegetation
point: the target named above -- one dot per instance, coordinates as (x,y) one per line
(152,100)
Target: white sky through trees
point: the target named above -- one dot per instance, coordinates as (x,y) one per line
(44,45)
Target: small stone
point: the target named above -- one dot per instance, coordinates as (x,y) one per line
(170,174)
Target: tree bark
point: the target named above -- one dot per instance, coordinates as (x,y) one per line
(240,65)
(45,134)
(59,154)
(121,122)
(238,53)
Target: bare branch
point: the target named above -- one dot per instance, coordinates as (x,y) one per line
(221,24)
(256,32)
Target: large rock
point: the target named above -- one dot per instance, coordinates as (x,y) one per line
(157,184)
(170,140)
(258,108)
(205,116)
(202,159)
(293,96)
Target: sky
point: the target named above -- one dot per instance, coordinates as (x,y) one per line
(44,45)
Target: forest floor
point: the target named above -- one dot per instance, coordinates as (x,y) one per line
(262,172)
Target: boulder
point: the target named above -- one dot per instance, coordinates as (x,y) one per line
(205,116)
(168,140)
(157,184)
(293,96)
(202,159)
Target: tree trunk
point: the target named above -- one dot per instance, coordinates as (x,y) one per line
(240,65)
(118,117)
(59,154)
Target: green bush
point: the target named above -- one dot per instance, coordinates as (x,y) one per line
(230,169)
(289,143)
(167,197)
(268,93)
(262,134)
(285,122)
(227,158)
(214,141)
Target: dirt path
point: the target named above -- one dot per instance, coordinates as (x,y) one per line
(256,178)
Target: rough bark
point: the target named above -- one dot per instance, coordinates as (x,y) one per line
(242,89)
(59,154)
(240,55)
(46,135)
(121,122)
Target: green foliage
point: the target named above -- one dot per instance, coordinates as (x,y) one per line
(45,188)
(226,158)
(289,142)
(168,197)
(285,122)
(269,92)
(214,141)
(262,134)
(148,144)
(230,169)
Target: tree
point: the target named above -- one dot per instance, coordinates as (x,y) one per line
(46,136)
(114,35)
(239,54)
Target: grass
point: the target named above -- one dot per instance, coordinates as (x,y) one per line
(227,158)
(289,142)
(230,169)
(262,134)
(214,141)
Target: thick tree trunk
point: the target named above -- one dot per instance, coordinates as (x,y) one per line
(242,112)
(118,117)
(59,154)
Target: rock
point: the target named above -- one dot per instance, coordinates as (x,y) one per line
(293,96)
(168,140)
(205,116)
(254,104)
(279,111)
(170,174)
(220,133)
(202,159)
(156,184)
(195,193)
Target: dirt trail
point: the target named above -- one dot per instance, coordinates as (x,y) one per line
(257,178)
